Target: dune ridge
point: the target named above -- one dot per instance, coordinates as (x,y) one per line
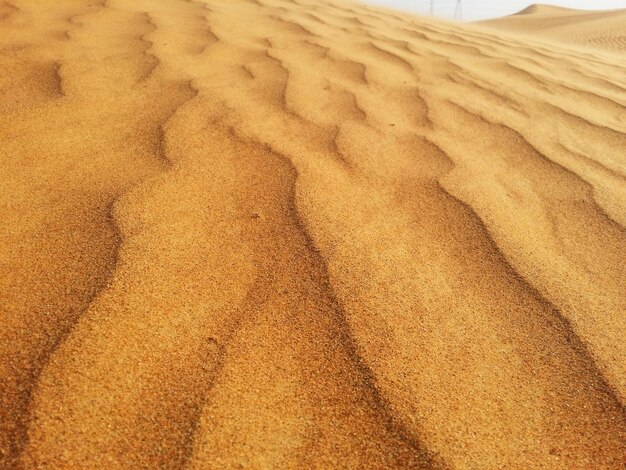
(306,233)
(541,8)
(597,30)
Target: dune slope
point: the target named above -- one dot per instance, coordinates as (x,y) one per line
(305,233)
(600,30)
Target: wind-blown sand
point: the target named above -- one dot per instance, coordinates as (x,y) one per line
(595,29)
(297,234)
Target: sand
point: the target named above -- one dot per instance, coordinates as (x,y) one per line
(308,234)
(600,30)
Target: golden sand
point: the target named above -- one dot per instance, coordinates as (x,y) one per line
(307,234)
(594,29)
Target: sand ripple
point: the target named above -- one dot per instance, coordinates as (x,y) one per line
(306,233)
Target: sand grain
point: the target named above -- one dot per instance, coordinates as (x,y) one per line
(308,234)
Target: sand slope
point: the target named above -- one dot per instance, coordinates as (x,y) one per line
(306,234)
(600,30)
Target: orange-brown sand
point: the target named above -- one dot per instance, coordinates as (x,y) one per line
(308,234)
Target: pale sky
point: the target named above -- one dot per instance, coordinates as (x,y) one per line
(481,9)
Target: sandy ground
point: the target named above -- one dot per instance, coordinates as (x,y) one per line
(308,234)
(600,30)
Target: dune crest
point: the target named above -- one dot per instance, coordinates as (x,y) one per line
(306,233)
(599,30)
(543,9)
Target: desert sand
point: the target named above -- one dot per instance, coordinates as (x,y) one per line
(309,234)
(594,29)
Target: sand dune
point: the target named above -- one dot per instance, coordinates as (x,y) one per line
(600,30)
(307,233)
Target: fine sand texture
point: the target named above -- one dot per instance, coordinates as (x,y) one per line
(594,29)
(307,234)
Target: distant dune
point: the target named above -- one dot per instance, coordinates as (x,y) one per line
(310,234)
(540,9)
(597,29)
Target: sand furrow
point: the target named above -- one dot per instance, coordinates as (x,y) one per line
(177,419)
(6,10)
(582,202)
(329,377)
(309,234)
(609,394)
(80,238)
